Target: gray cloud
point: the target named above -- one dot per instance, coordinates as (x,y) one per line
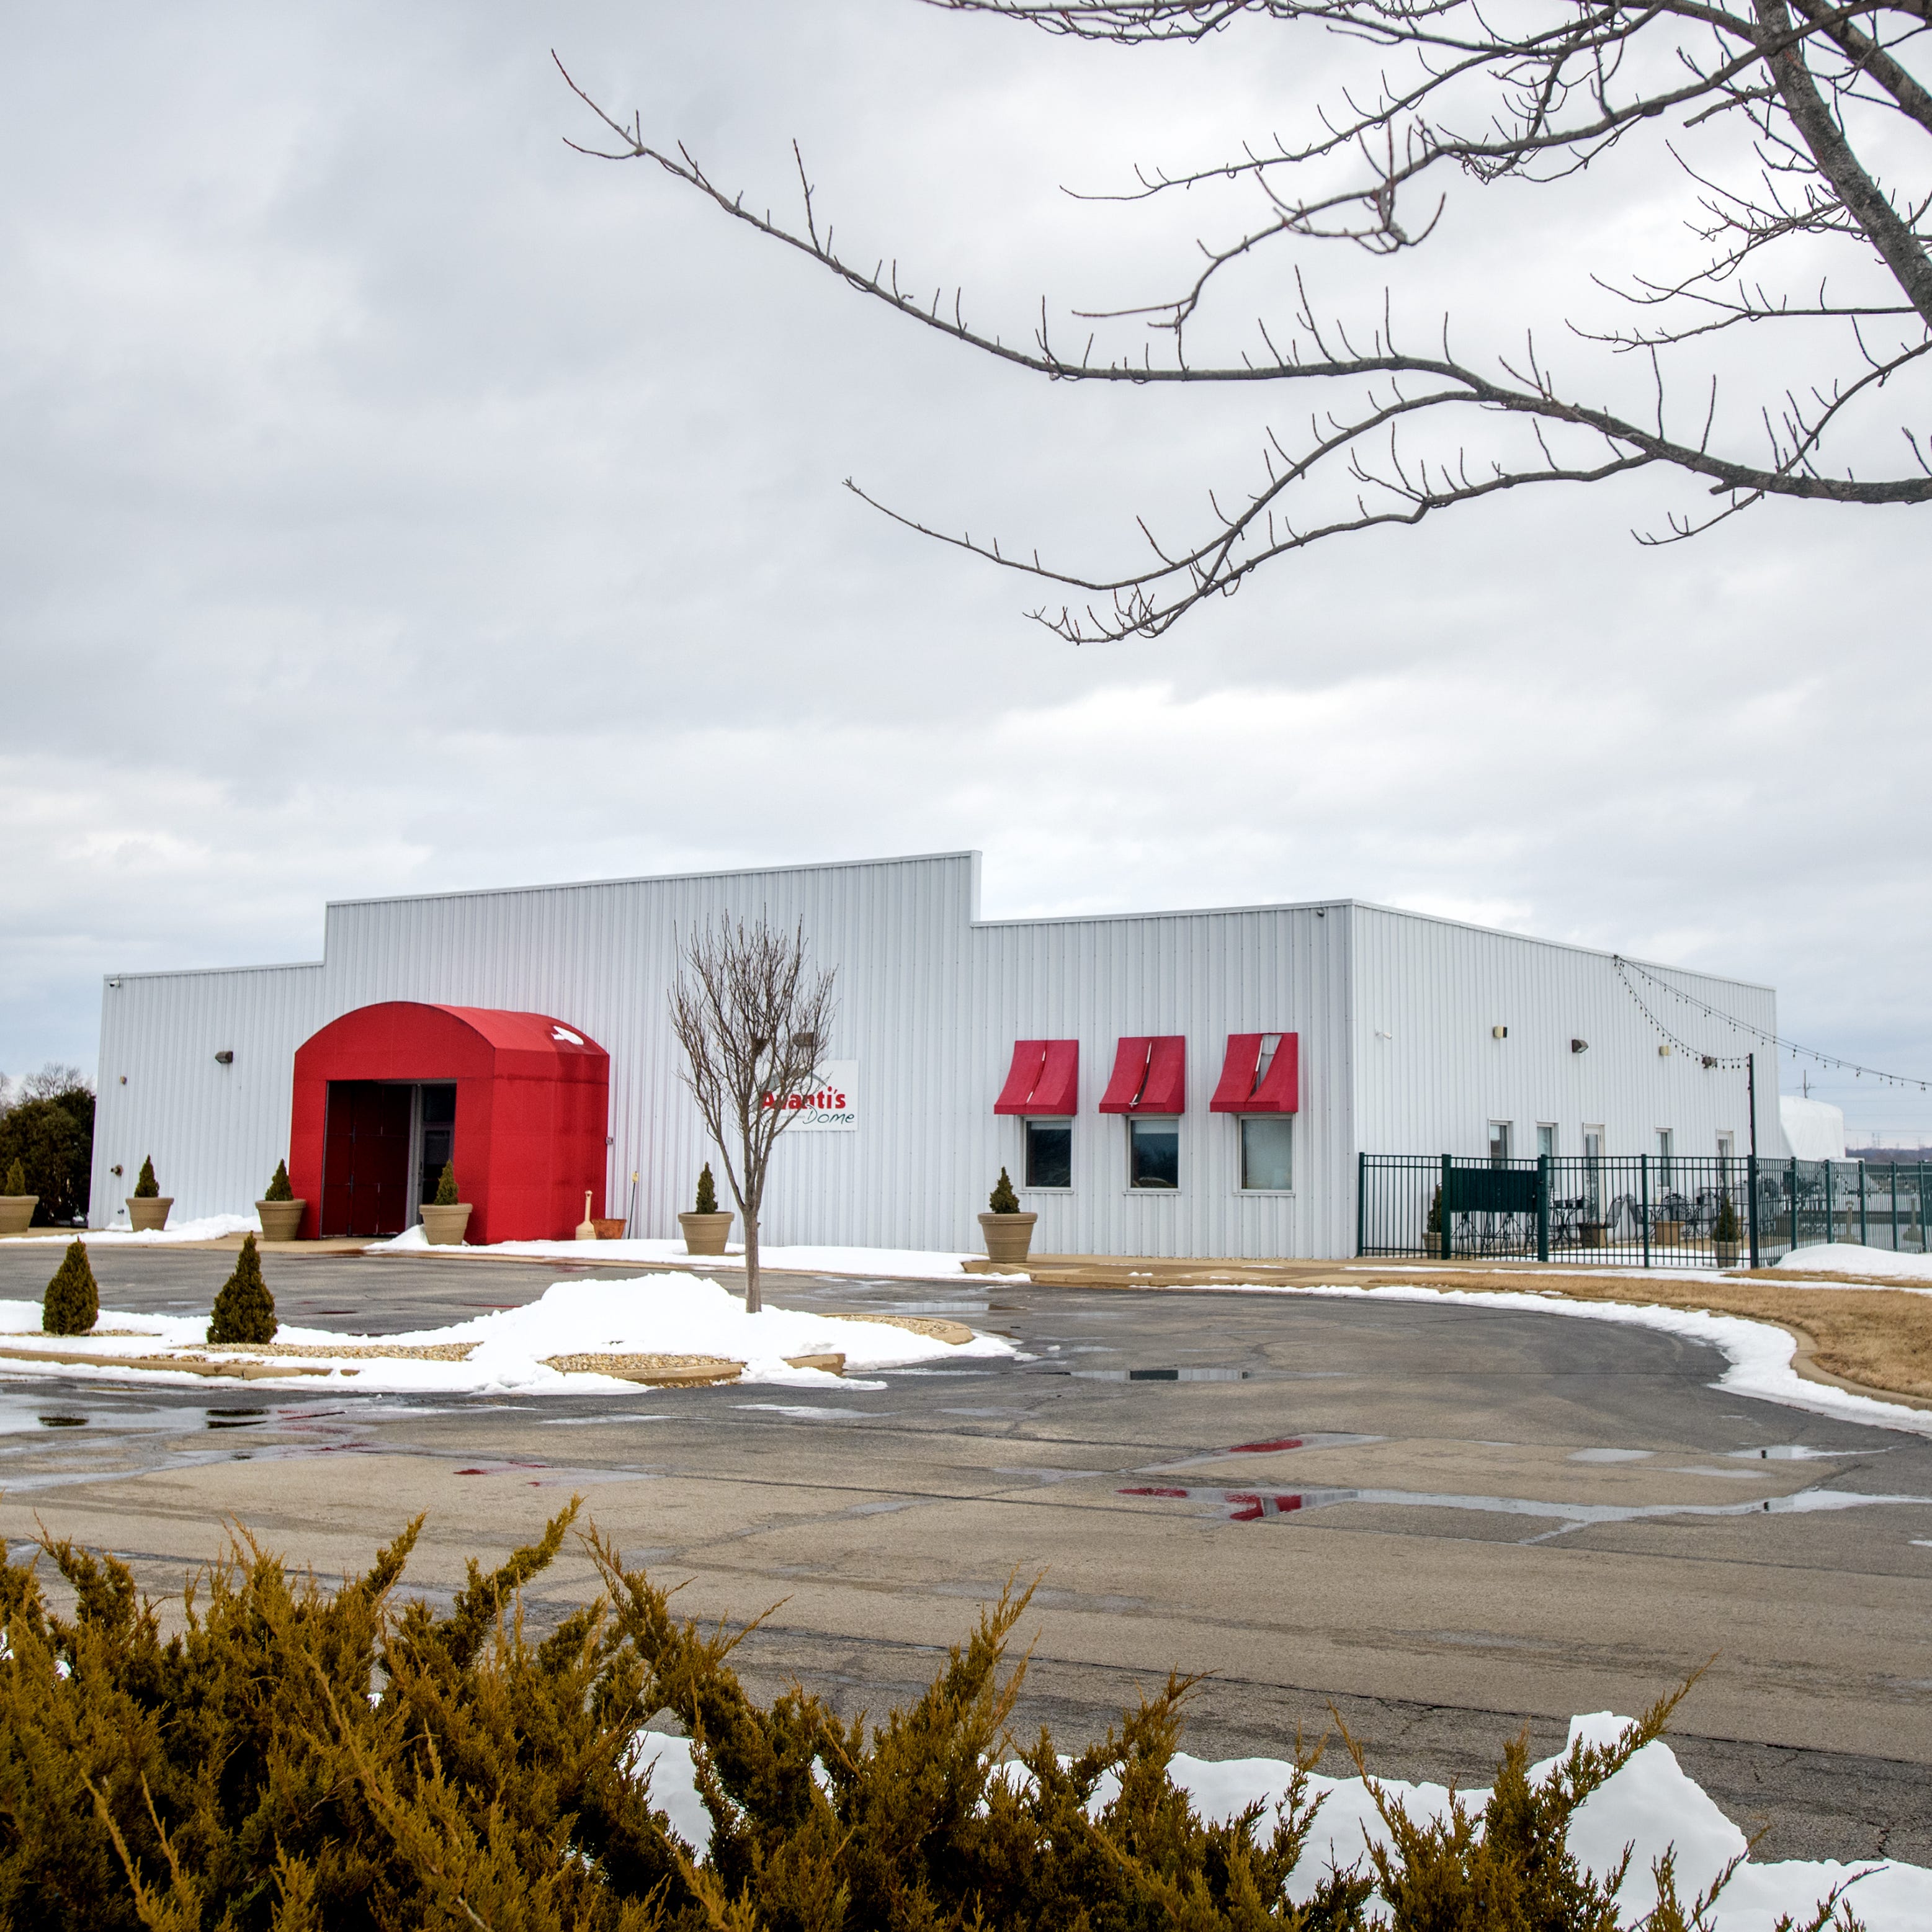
(397,500)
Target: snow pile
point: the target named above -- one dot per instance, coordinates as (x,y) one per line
(659,1315)
(209,1227)
(1849,1258)
(1650,1804)
(898,1264)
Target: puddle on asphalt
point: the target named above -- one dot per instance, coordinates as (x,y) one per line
(63,1422)
(1155,1375)
(799,1412)
(1252,1506)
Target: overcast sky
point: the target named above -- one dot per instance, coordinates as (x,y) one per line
(395,500)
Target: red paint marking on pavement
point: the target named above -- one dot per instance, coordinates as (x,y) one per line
(1265,1448)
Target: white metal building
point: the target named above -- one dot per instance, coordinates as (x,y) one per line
(1379,1031)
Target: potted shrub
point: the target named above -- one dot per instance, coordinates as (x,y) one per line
(1595,1234)
(1727,1233)
(280,1211)
(147,1206)
(1007,1232)
(1431,1228)
(16,1204)
(705,1229)
(445,1218)
(1666,1233)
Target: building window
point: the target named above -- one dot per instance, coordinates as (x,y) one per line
(1665,1148)
(1727,1146)
(1153,1154)
(1545,1141)
(1499,1141)
(1267,1163)
(1049,1154)
(1593,1174)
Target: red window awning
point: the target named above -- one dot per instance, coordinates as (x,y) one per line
(1150,1076)
(1044,1078)
(1254,1082)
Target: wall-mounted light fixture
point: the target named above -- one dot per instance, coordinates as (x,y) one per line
(124,1079)
(1664,1051)
(1579,1046)
(116,1170)
(1499,1033)
(116,984)
(226,1057)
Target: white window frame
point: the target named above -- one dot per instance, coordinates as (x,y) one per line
(1026,1187)
(1509,1142)
(1127,1187)
(1240,1164)
(1550,1128)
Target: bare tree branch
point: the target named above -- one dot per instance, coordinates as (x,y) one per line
(754,1018)
(1541,94)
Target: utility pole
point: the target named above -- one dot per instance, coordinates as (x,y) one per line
(1751,1082)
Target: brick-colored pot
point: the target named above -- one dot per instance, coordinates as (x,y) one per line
(1007,1237)
(442,1227)
(144,1217)
(281,1220)
(16,1213)
(705,1234)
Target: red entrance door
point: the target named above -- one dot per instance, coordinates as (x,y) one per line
(365,1160)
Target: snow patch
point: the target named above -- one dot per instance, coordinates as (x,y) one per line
(664,1314)
(1849,1257)
(897,1263)
(1650,1804)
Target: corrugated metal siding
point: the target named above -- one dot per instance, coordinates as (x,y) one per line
(1432,1077)
(215,1132)
(603,956)
(1202,975)
(1393,1011)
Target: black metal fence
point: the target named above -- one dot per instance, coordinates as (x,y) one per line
(1646,1210)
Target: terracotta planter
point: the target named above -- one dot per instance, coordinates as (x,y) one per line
(442,1227)
(1594,1234)
(1727,1253)
(1007,1237)
(608,1230)
(16,1213)
(1666,1233)
(281,1220)
(705,1234)
(151,1214)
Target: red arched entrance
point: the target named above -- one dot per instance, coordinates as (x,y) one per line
(519,1101)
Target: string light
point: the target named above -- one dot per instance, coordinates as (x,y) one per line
(1627,967)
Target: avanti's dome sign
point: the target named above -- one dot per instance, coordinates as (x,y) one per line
(831,1106)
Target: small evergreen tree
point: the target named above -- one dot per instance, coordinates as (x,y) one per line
(244,1310)
(707,1191)
(1002,1200)
(445,1188)
(73,1300)
(1434,1224)
(1728,1229)
(148,1188)
(16,1180)
(279,1188)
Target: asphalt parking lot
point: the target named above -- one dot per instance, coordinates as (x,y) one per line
(1444,1523)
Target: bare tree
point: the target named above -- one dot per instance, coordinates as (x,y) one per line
(1777,113)
(753,1018)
